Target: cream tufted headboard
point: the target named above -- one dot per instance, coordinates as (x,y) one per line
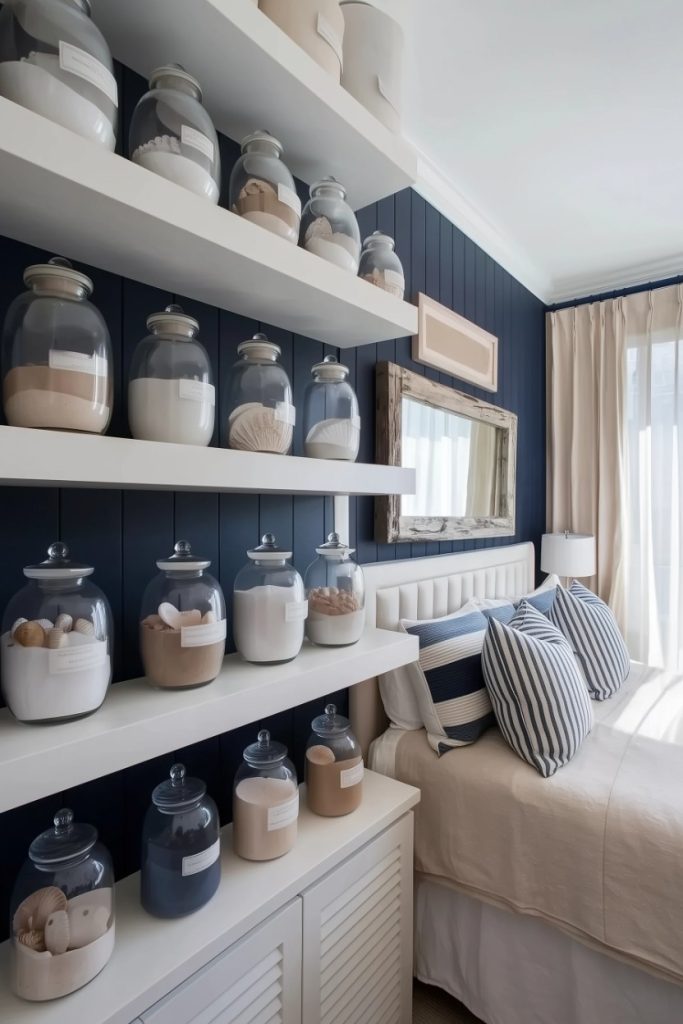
(427,588)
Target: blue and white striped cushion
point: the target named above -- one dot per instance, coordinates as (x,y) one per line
(539,698)
(590,627)
(453,699)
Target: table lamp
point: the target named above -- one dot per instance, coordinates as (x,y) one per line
(568,554)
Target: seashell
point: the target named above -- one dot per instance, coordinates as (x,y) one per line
(57,932)
(64,622)
(33,912)
(85,627)
(153,622)
(256,187)
(242,408)
(192,617)
(56,638)
(343,435)
(19,622)
(208,618)
(86,924)
(257,430)
(168,613)
(319,228)
(47,624)
(33,939)
(30,634)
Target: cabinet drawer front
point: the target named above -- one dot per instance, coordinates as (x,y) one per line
(255,981)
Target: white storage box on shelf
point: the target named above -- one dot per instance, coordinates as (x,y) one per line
(317,26)
(373,61)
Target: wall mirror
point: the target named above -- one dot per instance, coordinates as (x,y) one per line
(463,451)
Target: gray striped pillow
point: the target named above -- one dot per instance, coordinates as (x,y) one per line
(538,696)
(590,627)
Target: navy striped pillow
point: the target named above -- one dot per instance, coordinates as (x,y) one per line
(590,627)
(453,699)
(539,698)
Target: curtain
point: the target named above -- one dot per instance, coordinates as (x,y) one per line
(437,445)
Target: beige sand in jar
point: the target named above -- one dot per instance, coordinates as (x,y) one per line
(265,814)
(258,202)
(169,665)
(40,396)
(334,788)
(388,280)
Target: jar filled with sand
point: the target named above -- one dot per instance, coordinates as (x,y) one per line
(334,766)
(335,591)
(265,801)
(331,417)
(329,228)
(262,188)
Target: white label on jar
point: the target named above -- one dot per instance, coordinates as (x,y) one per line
(393,278)
(283,814)
(201,636)
(77,659)
(87,67)
(289,197)
(387,94)
(191,137)
(80,362)
(197,862)
(295,611)
(197,391)
(327,32)
(285,413)
(352,776)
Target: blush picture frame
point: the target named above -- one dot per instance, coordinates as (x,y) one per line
(450,342)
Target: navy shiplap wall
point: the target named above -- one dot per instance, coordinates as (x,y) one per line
(122,533)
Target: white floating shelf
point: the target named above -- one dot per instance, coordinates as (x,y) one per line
(137,722)
(153,956)
(51,458)
(62,193)
(254,76)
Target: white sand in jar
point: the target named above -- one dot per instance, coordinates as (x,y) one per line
(271,222)
(333,439)
(158,156)
(157,412)
(335,630)
(265,817)
(338,249)
(268,623)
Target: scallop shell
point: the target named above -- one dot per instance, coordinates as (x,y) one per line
(19,622)
(85,627)
(33,939)
(257,430)
(56,638)
(30,634)
(64,622)
(334,431)
(33,912)
(47,624)
(255,187)
(318,228)
(242,408)
(57,932)
(208,618)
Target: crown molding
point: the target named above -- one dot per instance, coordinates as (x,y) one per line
(646,273)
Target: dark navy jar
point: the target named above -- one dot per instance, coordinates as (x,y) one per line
(181,865)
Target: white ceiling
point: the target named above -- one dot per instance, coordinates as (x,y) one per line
(551,132)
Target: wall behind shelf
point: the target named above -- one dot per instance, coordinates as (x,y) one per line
(124,532)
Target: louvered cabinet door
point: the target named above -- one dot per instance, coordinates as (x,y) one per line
(255,981)
(358,936)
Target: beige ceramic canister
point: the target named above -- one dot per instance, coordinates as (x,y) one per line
(334,766)
(316,25)
(373,61)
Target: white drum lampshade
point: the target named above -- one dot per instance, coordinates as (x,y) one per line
(568,554)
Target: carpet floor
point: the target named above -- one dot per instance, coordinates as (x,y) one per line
(433,1006)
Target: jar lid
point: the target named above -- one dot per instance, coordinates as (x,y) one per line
(182,559)
(265,752)
(328,184)
(330,724)
(60,273)
(334,549)
(173,320)
(66,840)
(57,566)
(268,550)
(178,791)
(178,72)
(330,369)
(259,347)
(84,6)
(261,136)
(378,238)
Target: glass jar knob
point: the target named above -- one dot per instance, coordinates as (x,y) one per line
(184,549)
(177,772)
(58,551)
(264,735)
(330,710)
(60,261)
(63,820)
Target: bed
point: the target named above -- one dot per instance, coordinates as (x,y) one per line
(557,901)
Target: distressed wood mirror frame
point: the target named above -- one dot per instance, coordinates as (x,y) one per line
(394,383)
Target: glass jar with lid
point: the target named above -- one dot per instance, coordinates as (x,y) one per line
(269,607)
(334,766)
(56,353)
(56,642)
(262,188)
(55,61)
(380,265)
(331,419)
(329,227)
(61,912)
(335,590)
(182,627)
(181,847)
(261,416)
(172,134)
(171,394)
(265,801)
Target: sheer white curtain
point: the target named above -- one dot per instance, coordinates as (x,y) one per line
(437,445)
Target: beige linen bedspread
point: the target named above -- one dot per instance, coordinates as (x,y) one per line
(596,850)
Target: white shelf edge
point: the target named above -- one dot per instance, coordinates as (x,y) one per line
(137,722)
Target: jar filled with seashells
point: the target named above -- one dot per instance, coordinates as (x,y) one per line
(182,622)
(61,912)
(262,188)
(173,135)
(329,227)
(380,265)
(261,415)
(335,591)
(331,418)
(56,642)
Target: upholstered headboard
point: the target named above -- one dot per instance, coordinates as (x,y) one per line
(427,588)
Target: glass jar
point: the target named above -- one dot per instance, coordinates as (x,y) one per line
(171,395)
(55,61)
(261,416)
(334,766)
(172,134)
(380,265)
(335,590)
(181,847)
(262,189)
(56,354)
(56,642)
(269,609)
(61,912)
(265,801)
(182,627)
(331,420)
(329,227)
